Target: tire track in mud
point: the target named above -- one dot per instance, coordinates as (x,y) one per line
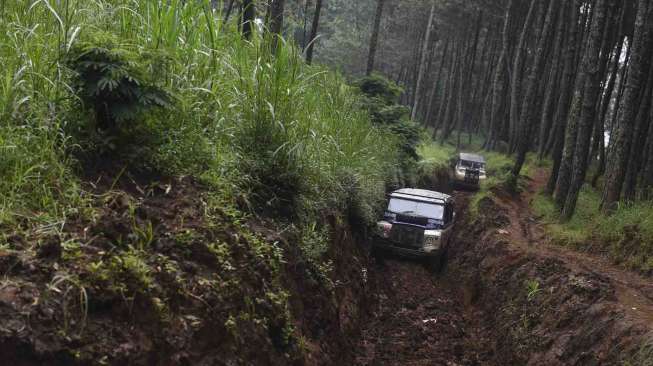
(420,319)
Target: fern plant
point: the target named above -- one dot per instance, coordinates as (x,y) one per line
(112,81)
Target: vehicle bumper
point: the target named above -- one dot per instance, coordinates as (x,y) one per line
(467,184)
(387,246)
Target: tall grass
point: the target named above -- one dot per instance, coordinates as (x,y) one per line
(241,113)
(35,174)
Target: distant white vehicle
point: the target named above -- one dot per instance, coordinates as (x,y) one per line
(417,223)
(468,170)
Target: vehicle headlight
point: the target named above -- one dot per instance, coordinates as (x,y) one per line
(432,239)
(384,228)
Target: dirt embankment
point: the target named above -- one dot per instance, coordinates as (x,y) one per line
(156,277)
(152,275)
(544,304)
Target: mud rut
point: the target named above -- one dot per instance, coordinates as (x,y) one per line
(426,319)
(422,319)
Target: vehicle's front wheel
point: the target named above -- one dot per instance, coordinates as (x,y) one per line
(434,263)
(443,257)
(378,255)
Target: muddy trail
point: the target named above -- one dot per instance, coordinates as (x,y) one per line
(634,293)
(421,320)
(508,297)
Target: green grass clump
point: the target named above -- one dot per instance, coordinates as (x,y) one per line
(36,180)
(626,236)
(436,154)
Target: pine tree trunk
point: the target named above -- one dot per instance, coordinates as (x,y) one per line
(276,21)
(230,8)
(485,98)
(639,141)
(422,63)
(646,182)
(554,77)
(516,81)
(249,16)
(571,135)
(374,39)
(446,95)
(478,86)
(640,60)
(449,113)
(605,106)
(610,38)
(314,29)
(417,55)
(498,83)
(468,82)
(566,86)
(436,87)
(528,109)
(304,25)
(590,94)
(459,111)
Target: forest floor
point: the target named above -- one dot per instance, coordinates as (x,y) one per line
(510,297)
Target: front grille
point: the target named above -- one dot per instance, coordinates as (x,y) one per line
(407,236)
(471,176)
(407,218)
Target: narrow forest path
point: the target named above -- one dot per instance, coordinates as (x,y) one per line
(633,292)
(420,319)
(426,319)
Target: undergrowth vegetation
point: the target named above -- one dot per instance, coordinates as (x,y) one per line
(81,78)
(626,236)
(148,91)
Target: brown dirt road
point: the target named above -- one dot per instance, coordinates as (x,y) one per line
(634,293)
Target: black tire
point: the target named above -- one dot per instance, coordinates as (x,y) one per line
(434,263)
(378,255)
(443,257)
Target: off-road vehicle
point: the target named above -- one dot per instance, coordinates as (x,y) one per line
(468,170)
(417,223)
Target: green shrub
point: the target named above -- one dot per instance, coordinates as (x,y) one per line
(379,87)
(381,100)
(117,83)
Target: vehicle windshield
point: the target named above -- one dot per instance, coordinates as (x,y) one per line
(430,210)
(471,164)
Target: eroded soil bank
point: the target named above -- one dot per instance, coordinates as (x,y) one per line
(507,298)
(153,279)
(158,275)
